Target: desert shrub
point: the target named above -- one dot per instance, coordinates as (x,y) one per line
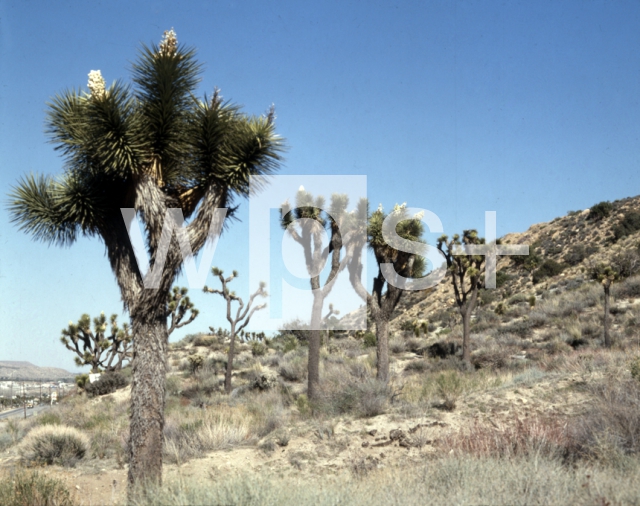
(579,252)
(195,363)
(601,210)
(205,340)
(486,297)
(501,308)
(290,343)
(195,432)
(449,388)
(26,488)
(397,345)
(48,418)
(547,269)
(419,365)
(349,390)
(258,349)
(107,383)
(54,444)
(627,226)
(528,262)
(293,367)
(520,328)
(629,288)
(519,298)
(611,427)
(369,340)
(501,278)
(532,301)
(173,385)
(268,412)
(442,349)
(535,436)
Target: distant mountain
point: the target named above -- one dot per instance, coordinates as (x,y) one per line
(28,372)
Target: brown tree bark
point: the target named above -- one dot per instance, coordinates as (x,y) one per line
(313,366)
(147,398)
(382,349)
(230,356)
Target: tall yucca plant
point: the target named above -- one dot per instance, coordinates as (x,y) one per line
(151,146)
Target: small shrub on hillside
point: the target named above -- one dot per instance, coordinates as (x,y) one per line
(205,340)
(449,388)
(32,489)
(629,288)
(601,210)
(195,363)
(258,349)
(82,380)
(397,345)
(627,226)
(54,444)
(293,368)
(107,383)
(369,340)
(634,367)
(549,268)
(501,278)
(519,328)
(290,343)
(420,365)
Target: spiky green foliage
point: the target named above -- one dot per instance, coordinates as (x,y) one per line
(465,271)
(155,127)
(177,305)
(105,348)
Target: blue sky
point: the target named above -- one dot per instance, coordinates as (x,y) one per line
(525,108)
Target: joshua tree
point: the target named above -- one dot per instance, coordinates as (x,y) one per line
(466,276)
(94,347)
(381,302)
(152,146)
(308,232)
(606,275)
(240,320)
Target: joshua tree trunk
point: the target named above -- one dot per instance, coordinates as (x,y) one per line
(313,380)
(382,349)
(229,371)
(147,397)
(465,312)
(607,337)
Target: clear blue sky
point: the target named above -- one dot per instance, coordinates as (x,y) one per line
(526,108)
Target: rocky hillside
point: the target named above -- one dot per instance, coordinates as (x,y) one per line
(560,253)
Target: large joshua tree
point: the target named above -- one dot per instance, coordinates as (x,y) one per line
(384,297)
(306,224)
(150,146)
(466,271)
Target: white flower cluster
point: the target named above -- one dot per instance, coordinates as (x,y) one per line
(169,43)
(96,84)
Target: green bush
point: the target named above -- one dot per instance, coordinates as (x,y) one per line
(258,349)
(629,224)
(54,444)
(549,268)
(107,383)
(501,278)
(32,489)
(600,210)
(81,380)
(370,340)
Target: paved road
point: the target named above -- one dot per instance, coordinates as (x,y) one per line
(19,412)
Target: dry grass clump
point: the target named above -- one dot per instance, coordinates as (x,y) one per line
(194,432)
(54,444)
(293,366)
(24,488)
(535,436)
(611,427)
(351,388)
